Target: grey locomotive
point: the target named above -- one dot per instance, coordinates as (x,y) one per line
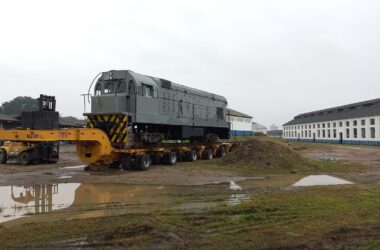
(158,109)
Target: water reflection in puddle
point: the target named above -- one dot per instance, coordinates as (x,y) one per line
(93,200)
(19,201)
(320,180)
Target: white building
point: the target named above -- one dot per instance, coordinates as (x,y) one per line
(258,128)
(240,124)
(357,123)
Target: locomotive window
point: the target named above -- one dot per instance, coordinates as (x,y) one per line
(108,88)
(121,87)
(98,89)
(148,90)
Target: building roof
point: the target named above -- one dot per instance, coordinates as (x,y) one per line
(8,118)
(258,125)
(355,110)
(232,112)
(70,121)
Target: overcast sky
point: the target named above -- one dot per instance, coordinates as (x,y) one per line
(270,59)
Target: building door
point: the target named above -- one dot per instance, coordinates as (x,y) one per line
(313,137)
(340,138)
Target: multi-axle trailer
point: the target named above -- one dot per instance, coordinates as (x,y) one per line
(95,148)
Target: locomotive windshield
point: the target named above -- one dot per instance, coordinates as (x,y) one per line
(110,87)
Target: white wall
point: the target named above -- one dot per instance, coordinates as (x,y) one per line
(306,131)
(240,123)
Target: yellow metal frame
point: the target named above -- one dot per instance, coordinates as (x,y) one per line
(93,145)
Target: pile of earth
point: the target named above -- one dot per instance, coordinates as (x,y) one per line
(265,152)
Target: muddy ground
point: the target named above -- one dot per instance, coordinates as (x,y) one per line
(201,205)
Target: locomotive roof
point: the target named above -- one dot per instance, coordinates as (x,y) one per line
(158,82)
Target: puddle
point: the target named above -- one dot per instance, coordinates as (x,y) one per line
(65,177)
(236,199)
(234,186)
(75,167)
(320,180)
(18,201)
(94,200)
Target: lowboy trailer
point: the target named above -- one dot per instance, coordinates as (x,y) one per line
(95,148)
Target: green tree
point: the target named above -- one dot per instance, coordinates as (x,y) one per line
(18,105)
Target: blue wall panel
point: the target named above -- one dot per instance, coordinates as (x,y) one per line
(350,142)
(241,133)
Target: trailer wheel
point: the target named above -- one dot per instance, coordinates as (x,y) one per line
(221,152)
(171,158)
(115,165)
(192,155)
(3,156)
(207,154)
(25,158)
(126,162)
(144,161)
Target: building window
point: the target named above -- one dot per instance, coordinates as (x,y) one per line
(355,123)
(334,132)
(363,122)
(363,133)
(373,131)
(355,133)
(323,133)
(309,133)
(319,125)
(302,133)
(340,124)
(334,124)
(328,133)
(372,121)
(313,125)
(347,133)
(328,125)
(347,123)
(319,133)
(309,126)
(305,133)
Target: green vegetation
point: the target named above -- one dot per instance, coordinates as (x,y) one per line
(19,105)
(337,217)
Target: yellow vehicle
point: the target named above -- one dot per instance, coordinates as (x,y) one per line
(94,148)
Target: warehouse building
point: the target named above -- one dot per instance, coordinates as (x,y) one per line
(258,129)
(240,124)
(357,123)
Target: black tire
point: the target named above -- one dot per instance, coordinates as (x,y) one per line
(144,162)
(171,158)
(126,162)
(25,158)
(3,156)
(192,155)
(207,154)
(221,152)
(115,165)
(156,159)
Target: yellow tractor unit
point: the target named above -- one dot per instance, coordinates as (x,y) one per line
(25,151)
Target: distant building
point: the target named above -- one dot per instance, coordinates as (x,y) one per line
(240,124)
(275,133)
(357,123)
(9,122)
(71,122)
(258,128)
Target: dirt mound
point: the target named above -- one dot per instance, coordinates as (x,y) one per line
(265,152)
